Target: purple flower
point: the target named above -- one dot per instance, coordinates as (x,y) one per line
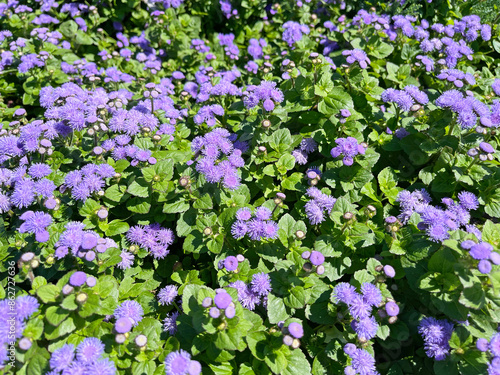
(261,284)
(39,170)
(25,307)
(365,328)
(481,250)
(231,263)
(468,200)
(62,357)
(127,260)
(484,266)
(130,309)
(293,32)
(371,294)
(180,363)
(363,362)
(344,292)
(348,147)
(495,345)
(357,55)
(392,308)
(123,325)
(167,295)
(78,278)
(36,222)
(89,350)
(170,323)
(263,213)
(296,330)
(222,300)
(482,345)
(436,334)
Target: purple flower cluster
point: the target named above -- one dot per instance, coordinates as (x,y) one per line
(254,293)
(318,204)
(258,228)
(88,180)
(357,55)
(468,109)
(492,348)
(227,9)
(231,49)
(86,359)
(483,252)
(13,314)
(307,146)
(360,307)
(316,258)
(405,99)
(230,263)
(255,48)
(36,223)
(457,77)
(436,335)
(362,362)
(207,114)
(82,243)
(152,237)
(131,310)
(265,92)
(180,363)
(218,157)
(223,302)
(437,222)
(349,148)
(170,323)
(293,32)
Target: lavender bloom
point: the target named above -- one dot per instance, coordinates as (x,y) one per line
(152,237)
(36,222)
(130,309)
(170,323)
(265,92)
(207,114)
(258,228)
(180,363)
(357,55)
(363,363)
(167,295)
(293,32)
(436,334)
(348,147)
(261,284)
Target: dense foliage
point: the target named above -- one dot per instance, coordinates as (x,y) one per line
(216,187)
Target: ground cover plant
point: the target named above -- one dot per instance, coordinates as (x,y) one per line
(249,187)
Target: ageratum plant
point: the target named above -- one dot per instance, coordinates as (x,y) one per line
(224,187)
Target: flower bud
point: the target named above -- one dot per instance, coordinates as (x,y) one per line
(207,231)
(266,124)
(184,181)
(141,340)
(307,267)
(348,216)
(26,257)
(300,234)
(81,297)
(295,344)
(34,263)
(67,289)
(120,338)
(288,340)
(320,270)
(25,343)
(393,319)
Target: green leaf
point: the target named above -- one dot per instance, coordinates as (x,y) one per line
(276,309)
(473,297)
(176,207)
(68,28)
(297,363)
(55,315)
(204,202)
(297,298)
(48,293)
(336,100)
(116,227)
(387,179)
(442,261)
(139,187)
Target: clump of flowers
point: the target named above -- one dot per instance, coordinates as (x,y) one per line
(207,114)
(230,263)
(491,347)
(90,179)
(180,363)
(306,147)
(357,55)
(436,335)
(254,293)
(319,203)
(468,109)
(316,259)
(86,359)
(13,314)
(265,92)
(128,315)
(437,222)
(36,223)
(257,228)
(291,334)
(362,362)
(82,243)
(457,77)
(223,302)
(405,99)
(152,237)
(166,295)
(483,252)
(218,158)
(293,32)
(349,148)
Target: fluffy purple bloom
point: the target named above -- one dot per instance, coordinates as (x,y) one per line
(317,258)
(468,200)
(180,363)
(170,323)
(363,362)
(127,260)
(392,308)
(130,309)
(436,334)
(293,32)
(89,350)
(36,222)
(123,325)
(261,284)
(349,148)
(344,292)
(25,307)
(62,357)
(365,328)
(244,214)
(371,294)
(167,295)
(357,55)
(39,170)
